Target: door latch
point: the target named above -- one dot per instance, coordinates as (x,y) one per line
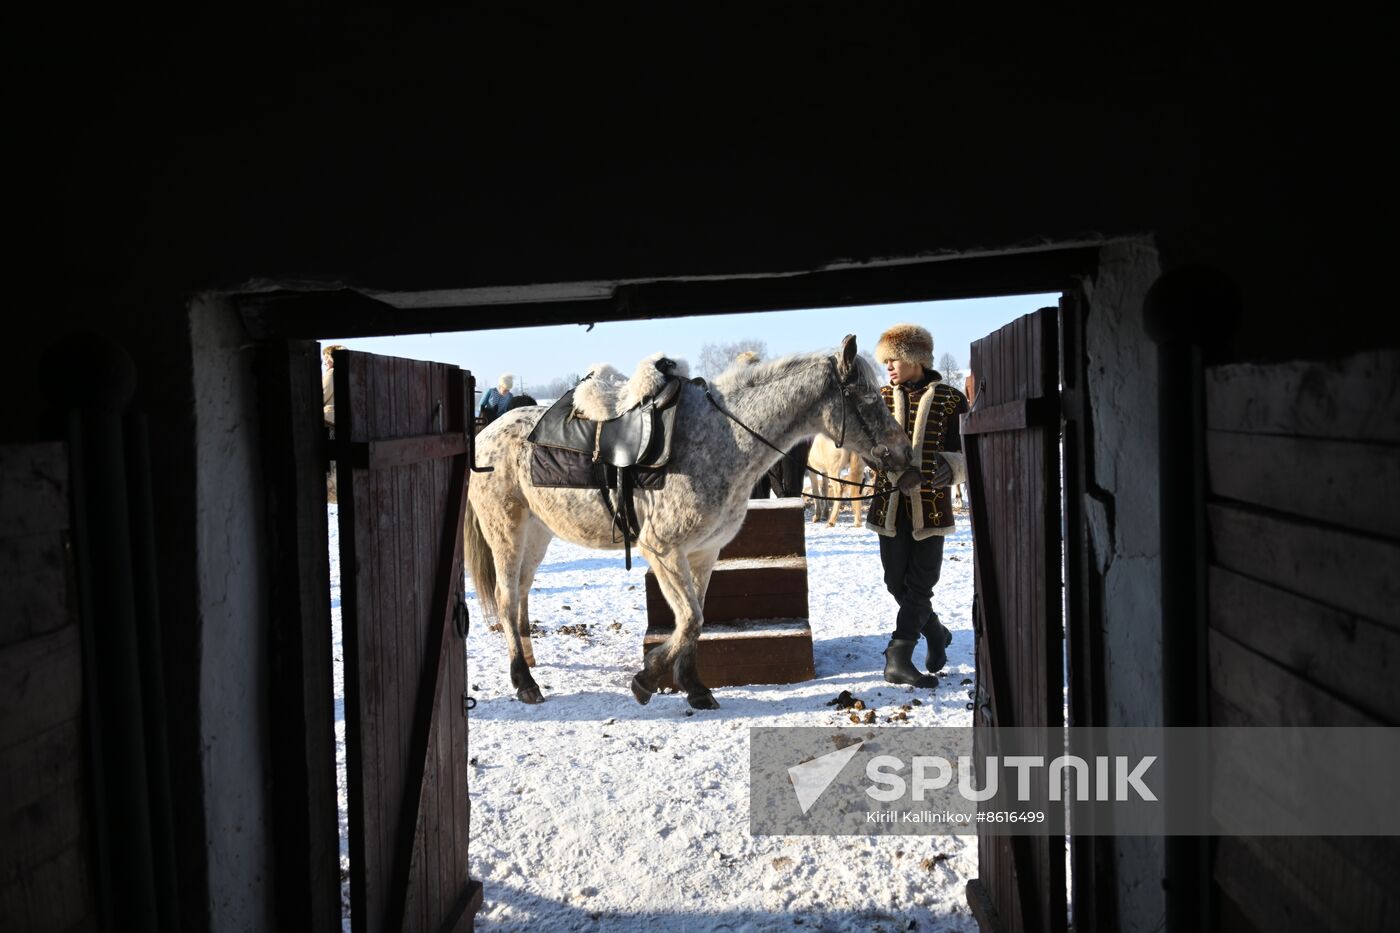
(461,617)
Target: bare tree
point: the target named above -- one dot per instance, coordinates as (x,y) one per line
(948,366)
(715,358)
(557,387)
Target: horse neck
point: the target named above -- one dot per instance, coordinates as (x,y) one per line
(782,411)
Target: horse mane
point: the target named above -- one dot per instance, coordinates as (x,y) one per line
(742,375)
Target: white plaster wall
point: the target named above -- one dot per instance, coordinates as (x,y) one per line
(232,598)
(1124,532)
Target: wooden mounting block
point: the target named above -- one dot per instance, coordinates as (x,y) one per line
(756,629)
(755,651)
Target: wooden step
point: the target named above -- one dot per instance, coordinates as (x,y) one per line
(756,629)
(729,654)
(772,528)
(743,588)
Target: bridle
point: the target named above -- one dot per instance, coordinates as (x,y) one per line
(847,388)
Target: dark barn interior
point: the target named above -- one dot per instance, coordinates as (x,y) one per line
(202,198)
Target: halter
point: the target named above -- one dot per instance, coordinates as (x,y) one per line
(847,388)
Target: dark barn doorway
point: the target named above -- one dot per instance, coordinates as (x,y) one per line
(287,317)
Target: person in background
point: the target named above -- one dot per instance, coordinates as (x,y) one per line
(328,410)
(912,525)
(494,403)
(328,384)
(960,490)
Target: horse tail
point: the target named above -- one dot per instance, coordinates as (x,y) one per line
(481,563)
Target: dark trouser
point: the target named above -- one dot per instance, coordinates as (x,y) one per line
(785,477)
(911,570)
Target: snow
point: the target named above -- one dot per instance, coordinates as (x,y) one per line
(591,812)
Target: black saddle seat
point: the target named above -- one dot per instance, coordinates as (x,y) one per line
(640,436)
(638,439)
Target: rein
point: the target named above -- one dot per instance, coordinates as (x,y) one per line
(845,400)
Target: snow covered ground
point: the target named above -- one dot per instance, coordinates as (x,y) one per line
(590,812)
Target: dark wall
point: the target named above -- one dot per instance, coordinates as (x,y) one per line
(449,152)
(156,159)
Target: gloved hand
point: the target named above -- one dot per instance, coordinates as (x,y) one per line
(942,471)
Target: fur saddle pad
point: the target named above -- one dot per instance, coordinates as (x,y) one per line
(642,413)
(572,469)
(604,393)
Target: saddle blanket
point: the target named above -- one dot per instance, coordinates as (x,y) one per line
(570,469)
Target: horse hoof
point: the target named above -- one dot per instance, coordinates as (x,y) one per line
(640,691)
(530,694)
(702,699)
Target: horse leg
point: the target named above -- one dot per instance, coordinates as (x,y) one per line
(677,582)
(837,489)
(536,542)
(702,567)
(685,668)
(857,474)
(508,562)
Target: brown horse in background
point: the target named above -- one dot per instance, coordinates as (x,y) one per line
(826,457)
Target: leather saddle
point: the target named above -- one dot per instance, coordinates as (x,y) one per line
(640,436)
(637,439)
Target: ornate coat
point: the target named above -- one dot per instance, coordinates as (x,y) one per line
(929,414)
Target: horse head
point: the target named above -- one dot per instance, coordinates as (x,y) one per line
(859,416)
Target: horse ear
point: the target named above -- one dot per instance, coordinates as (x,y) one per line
(846,356)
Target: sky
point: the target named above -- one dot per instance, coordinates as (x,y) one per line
(538,355)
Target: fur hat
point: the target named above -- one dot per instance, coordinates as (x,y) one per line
(507,381)
(908,342)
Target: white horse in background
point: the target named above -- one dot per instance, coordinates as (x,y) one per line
(725,438)
(837,463)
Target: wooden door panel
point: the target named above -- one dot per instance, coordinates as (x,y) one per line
(1011,438)
(403,454)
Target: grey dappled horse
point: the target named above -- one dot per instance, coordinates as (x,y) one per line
(714,465)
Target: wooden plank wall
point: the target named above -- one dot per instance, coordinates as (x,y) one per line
(1020,490)
(45,870)
(394,518)
(1304,584)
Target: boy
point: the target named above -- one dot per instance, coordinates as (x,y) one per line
(912,525)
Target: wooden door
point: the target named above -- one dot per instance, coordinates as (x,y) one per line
(403,454)
(1011,438)
(1303,513)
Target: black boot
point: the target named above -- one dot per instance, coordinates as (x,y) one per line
(938,638)
(899,665)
